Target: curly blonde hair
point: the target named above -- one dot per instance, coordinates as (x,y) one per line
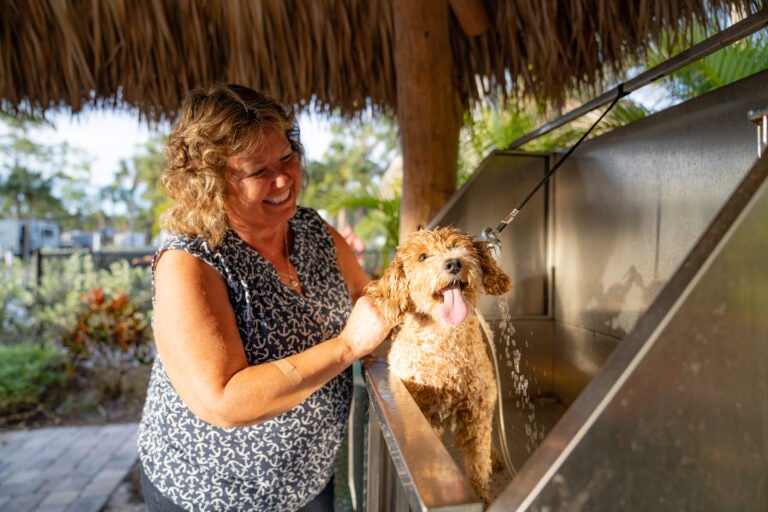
(214,125)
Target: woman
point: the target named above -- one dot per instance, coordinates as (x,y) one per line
(253,319)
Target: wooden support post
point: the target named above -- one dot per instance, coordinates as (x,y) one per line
(428,109)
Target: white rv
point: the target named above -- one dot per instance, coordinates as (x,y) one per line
(22,237)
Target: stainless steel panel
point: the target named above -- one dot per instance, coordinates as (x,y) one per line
(677,417)
(629,205)
(525,353)
(542,368)
(502,180)
(578,354)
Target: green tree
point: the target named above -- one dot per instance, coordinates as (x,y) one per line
(28,175)
(495,125)
(382,219)
(135,189)
(27,194)
(40,180)
(345,182)
(734,62)
(149,166)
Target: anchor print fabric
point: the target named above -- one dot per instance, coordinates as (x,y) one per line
(283,463)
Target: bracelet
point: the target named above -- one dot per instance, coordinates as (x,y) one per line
(289,370)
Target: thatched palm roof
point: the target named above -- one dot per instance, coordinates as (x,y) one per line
(422,60)
(328,54)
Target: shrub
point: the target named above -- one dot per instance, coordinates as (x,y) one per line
(110,336)
(17,297)
(59,292)
(41,308)
(27,373)
(100,317)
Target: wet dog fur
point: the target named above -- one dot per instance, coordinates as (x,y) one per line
(440,356)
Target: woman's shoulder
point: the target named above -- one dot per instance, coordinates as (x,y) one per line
(307,214)
(187,243)
(310,222)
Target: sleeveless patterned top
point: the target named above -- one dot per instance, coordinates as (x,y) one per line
(283,463)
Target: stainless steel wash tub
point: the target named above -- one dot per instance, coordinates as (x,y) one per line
(640,314)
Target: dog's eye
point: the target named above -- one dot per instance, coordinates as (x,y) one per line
(422,257)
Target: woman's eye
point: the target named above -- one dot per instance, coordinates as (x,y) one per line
(422,257)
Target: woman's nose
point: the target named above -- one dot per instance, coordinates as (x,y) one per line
(281,178)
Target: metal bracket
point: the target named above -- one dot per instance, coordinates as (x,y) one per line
(760,118)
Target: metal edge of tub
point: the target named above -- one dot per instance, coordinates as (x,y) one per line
(429,476)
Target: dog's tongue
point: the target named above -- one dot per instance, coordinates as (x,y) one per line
(454,308)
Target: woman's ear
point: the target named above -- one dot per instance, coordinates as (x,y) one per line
(495,281)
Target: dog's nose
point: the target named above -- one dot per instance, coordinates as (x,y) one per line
(452,266)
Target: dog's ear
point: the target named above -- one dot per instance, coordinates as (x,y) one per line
(390,292)
(495,281)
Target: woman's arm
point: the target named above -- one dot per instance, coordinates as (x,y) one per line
(202,353)
(353,273)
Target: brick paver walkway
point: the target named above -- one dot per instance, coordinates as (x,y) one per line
(64,469)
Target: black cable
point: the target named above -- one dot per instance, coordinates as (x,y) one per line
(619,94)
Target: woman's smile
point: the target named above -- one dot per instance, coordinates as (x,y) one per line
(262,185)
(281,198)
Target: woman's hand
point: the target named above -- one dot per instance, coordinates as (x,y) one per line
(366,328)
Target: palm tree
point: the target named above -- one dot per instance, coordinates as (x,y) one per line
(495,126)
(345,184)
(739,60)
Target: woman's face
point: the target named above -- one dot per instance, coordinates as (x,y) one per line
(262,186)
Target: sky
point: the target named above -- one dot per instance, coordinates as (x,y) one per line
(106,137)
(109,136)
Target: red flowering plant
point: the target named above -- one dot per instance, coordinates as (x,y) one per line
(111,336)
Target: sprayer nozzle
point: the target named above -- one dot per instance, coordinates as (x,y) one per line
(491,238)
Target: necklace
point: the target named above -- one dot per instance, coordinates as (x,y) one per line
(291,279)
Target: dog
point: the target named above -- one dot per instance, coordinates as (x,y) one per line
(429,292)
